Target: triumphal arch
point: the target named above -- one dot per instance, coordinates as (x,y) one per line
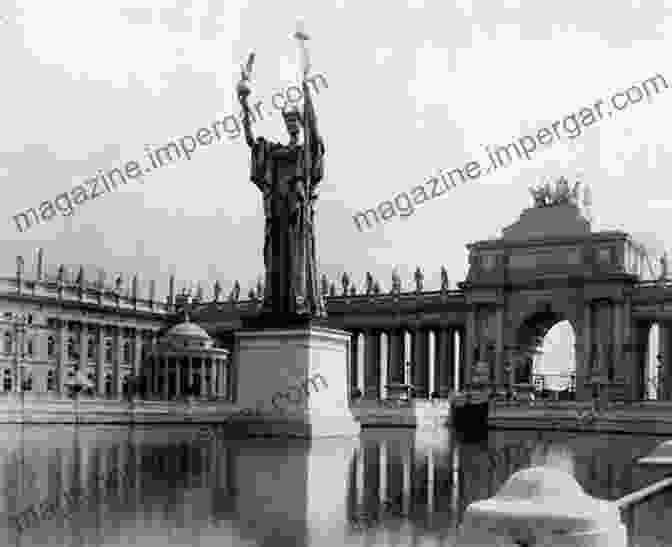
(546,267)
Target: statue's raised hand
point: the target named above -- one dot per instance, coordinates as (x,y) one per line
(243,90)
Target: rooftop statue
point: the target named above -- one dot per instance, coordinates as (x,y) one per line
(445,283)
(288,176)
(419,279)
(663,267)
(345,283)
(396,282)
(545,195)
(368,283)
(234,295)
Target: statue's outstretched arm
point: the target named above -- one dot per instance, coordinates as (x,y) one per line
(243,93)
(247,124)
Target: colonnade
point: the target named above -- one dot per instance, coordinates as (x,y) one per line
(417,344)
(94,364)
(173,376)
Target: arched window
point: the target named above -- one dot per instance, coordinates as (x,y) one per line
(127,352)
(7,380)
(51,346)
(51,381)
(91,351)
(92,382)
(27,381)
(8,342)
(108,350)
(71,348)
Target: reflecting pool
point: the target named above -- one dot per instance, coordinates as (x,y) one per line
(166,485)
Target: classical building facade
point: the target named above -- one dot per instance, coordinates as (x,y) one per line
(547,267)
(56,328)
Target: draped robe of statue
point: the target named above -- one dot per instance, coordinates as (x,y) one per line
(288,176)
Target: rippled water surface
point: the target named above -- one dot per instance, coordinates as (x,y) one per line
(118,485)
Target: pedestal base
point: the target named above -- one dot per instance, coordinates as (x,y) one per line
(295,380)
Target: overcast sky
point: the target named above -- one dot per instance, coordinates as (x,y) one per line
(413,88)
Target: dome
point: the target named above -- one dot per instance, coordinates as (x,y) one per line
(187,336)
(187,329)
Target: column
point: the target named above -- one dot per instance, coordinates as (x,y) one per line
(117,349)
(190,375)
(420,363)
(499,348)
(223,386)
(583,373)
(469,345)
(639,385)
(61,357)
(617,336)
(665,345)
(462,359)
(445,361)
(372,365)
(83,348)
(214,368)
(178,362)
(204,386)
(137,353)
(100,355)
(231,379)
(156,370)
(166,374)
(395,356)
(354,362)
(629,352)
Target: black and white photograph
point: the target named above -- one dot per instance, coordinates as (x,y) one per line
(359,273)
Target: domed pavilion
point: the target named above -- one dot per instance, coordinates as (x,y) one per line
(187,363)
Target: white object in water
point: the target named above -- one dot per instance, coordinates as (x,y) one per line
(542,507)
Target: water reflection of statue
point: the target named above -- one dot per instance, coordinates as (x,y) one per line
(288,176)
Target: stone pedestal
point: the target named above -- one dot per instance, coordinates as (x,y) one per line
(296,379)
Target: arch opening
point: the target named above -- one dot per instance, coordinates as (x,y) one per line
(544,360)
